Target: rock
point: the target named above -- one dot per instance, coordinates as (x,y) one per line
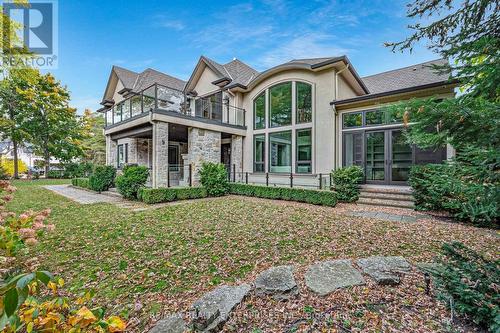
(328,276)
(171,324)
(277,282)
(384,270)
(212,310)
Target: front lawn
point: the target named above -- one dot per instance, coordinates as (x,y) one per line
(151,262)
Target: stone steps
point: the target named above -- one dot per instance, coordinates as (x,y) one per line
(387,203)
(386,196)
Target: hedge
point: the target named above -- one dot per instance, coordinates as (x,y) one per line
(345,182)
(324,198)
(81,182)
(157,195)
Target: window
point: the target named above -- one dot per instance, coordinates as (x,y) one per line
(352,120)
(109,117)
(304,151)
(353,149)
(280,104)
(122,155)
(259,144)
(259,110)
(375,117)
(395,116)
(173,158)
(304,102)
(280,152)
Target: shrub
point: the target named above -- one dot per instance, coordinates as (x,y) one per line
(458,189)
(157,195)
(213,177)
(345,182)
(8,166)
(102,178)
(3,173)
(78,170)
(56,174)
(81,182)
(132,178)
(471,282)
(325,198)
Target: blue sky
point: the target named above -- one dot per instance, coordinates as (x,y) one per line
(170,36)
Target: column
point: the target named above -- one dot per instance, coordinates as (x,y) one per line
(160,155)
(237,156)
(203,146)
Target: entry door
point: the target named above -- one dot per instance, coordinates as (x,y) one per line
(388,158)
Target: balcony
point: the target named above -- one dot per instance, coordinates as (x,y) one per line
(162,99)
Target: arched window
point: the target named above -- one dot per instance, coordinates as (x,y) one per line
(280,105)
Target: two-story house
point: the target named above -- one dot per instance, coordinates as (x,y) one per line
(299,119)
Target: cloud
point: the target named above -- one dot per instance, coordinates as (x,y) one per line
(309,45)
(172,24)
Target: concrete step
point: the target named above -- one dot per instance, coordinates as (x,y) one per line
(386,202)
(403,190)
(386,196)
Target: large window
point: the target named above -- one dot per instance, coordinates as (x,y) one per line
(280,152)
(373,117)
(304,102)
(259,144)
(122,155)
(280,105)
(352,120)
(259,110)
(304,151)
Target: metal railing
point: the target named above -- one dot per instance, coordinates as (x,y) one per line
(161,98)
(319,181)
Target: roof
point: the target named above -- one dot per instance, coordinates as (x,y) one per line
(406,77)
(236,70)
(127,77)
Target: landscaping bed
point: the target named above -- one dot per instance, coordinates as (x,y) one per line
(149,263)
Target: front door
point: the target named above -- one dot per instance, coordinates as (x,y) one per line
(225,156)
(388,158)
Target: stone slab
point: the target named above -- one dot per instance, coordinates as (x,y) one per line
(212,310)
(328,276)
(277,282)
(384,270)
(171,324)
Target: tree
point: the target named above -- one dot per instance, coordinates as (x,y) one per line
(94,143)
(55,130)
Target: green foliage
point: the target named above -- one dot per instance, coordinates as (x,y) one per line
(345,182)
(213,177)
(94,141)
(463,190)
(157,195)
(102,178)
(132,178)
(8,166)
(81,182)
(3,173)
(469,282)
(78,170)
(56,174)
(324,198)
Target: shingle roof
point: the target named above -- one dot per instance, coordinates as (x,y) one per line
(127,77)
(236,70)
(139,81)
(407,77)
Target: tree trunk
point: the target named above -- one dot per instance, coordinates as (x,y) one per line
(16,166)
(47,163)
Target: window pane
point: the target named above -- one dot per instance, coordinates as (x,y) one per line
(109,117)
(120,156)
(353,149)
(280,152)
(375,117)
(352,120)
(126,109)
(259,153)
(304,102)
(395,116)
(117,114)
(259,109)
(280,105)
(304,151)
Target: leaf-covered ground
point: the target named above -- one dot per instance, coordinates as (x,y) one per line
(145,264)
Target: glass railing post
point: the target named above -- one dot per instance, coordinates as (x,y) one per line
(156,97)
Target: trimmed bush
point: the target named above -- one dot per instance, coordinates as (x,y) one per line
(81,182)
(102,178)
(157,195)
(315,197)
(56,174)
(132,178)
(213,177)
(458,190)
(78,170)
(471,282)
(345,182)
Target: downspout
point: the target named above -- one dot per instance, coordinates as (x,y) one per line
(335,114)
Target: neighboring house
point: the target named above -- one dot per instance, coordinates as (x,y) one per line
(304,117)
(25,154)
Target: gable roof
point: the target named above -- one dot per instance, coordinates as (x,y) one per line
(406,77)
(127,77)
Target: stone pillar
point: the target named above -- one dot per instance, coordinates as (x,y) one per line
(237,156)
(110,151)
(203,146)
(160,154)
(143,152)
(132,151)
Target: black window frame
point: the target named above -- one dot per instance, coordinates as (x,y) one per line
(270,120)
(297,83)
(269,149)
(303,162)
(263,162)
(124,146)
(263,96)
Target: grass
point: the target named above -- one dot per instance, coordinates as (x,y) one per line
(145,263)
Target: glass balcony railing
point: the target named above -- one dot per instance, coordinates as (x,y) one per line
(157,98)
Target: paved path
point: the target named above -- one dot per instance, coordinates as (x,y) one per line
(81,196)
(386,216)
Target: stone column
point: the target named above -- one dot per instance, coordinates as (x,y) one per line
(132,151)
(203,146)
(110,151)
(160,154)
(237,156)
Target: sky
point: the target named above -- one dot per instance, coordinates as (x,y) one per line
(170,36)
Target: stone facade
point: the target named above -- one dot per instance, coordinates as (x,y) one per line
(237,156)
(160,154)
(143,152)
(203,146)
(110,151)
